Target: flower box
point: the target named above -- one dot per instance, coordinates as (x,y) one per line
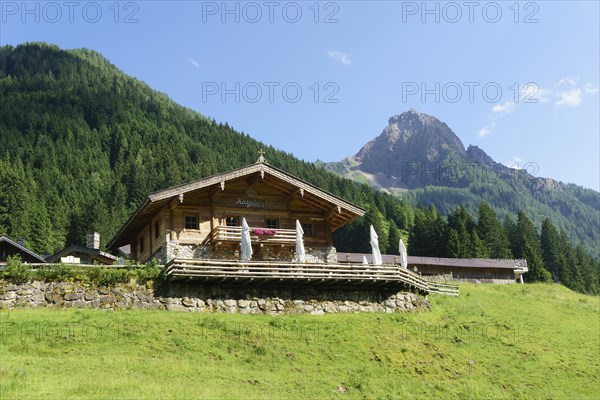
(261,231)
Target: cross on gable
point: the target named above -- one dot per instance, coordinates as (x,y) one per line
(261,158)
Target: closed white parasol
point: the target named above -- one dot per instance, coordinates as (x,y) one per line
(375,247)
(403,255)
(300,254)
(246,253)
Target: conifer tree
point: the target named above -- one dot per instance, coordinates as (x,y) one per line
(394,239)
(455,245)
(491,232)
(528,247)
(537,272)
(551,248)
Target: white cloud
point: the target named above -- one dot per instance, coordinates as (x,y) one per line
(543,95)
(570,81)
(571,98)
(515,163)
(484,132)
(505,108)
(195,63)
(487,129)
(533,93)
(338,56)
(573,94)
(590,89)
(566,92)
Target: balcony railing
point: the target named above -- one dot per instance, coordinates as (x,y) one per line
(234,234)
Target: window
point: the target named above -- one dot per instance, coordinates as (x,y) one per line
(232,221)
(308,229)
(156,229)
(272,223)
(141,244)
(191,222)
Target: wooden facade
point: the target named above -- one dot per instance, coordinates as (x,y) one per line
(202,219)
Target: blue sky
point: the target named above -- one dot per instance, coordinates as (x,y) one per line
(320,79)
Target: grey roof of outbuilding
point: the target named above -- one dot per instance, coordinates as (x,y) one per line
(448,262)
(81,250)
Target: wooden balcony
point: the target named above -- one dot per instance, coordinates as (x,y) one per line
(247,273)
(223,234)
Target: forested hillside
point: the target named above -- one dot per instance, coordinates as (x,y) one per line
(82,144)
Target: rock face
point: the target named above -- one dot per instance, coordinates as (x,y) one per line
(410,139)
(194,298)
(479,156)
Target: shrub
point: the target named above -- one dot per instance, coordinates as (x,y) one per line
(61,272)
(43,273)
(16,271)
(99,275)
(103,276)
(148,272)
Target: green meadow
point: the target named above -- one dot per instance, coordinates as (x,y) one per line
(493,342)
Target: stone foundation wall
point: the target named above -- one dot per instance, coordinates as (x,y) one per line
(204,299)
(326,255)
(174,249)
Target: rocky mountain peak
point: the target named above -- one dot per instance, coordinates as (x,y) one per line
(412,117)
(410,137)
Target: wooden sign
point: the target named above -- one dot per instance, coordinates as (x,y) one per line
(250,203)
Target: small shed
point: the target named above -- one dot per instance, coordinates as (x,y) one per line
(84,255)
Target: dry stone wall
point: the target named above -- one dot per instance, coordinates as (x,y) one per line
(196,298)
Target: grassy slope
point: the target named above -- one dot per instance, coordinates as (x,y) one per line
(533,341)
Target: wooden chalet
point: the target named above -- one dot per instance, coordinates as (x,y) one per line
(202,219)
(195,230)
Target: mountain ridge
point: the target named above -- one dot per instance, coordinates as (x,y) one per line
(420,157)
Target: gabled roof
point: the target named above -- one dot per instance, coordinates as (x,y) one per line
(92,253)
(445,262)
(339,210)
(22,248)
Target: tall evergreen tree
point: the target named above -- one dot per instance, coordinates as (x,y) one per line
(491,232)
(551,248)
(394,239)
(455,245)
(382,227)
(537,272)
(510,229)
(477,249)
(569,272)
(460,229)
(528,247)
